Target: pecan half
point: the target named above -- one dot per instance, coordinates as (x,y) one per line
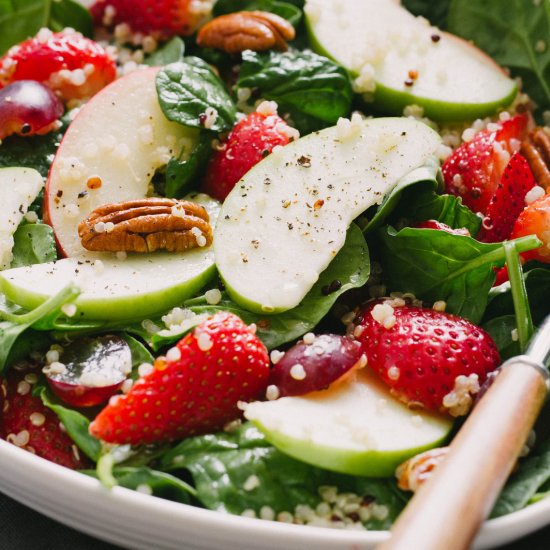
(415,471)
(146,225)
(246,30)
(536,150)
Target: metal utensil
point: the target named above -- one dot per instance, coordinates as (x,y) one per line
(448,510)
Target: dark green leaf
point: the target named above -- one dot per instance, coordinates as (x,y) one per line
(532,474)
(171,52)
(13,324)
(537,282)
(34,244)
(182,176)
(188,88)
(221,464)
(500,329)
(351,267)
(508,32)
(285,9)
(76,425)
(435,12)
(436,265)
(161,484)
(140,354)
(32,152)
(21,19)
(302,83)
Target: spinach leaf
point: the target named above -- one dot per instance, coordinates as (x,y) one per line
(12,325)
(182,176)
(171,52)
(537,283)
(435,12)
(436,265)
(500,329)
(140,354)
(284,9)
(532,474)
(34,243)
(222,463)
(509,32)
(75,423)
(415,198)
(21,19)
(161,484)
(32,152)
(186,89)
(304,84)
(351,267)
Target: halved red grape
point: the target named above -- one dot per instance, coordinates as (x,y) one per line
(314,365)
(27,108)
(89,370)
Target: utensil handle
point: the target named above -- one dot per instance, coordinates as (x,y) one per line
(449,508)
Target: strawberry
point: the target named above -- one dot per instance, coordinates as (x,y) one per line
(194,390)
(434,224)
(73,66)
(428,358)
(158,18)
(508,200)
(535,220)
(27,423)
(251,140)
(474,170)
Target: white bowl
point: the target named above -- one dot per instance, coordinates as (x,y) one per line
(135,520)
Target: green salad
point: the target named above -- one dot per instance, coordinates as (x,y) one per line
(263,256)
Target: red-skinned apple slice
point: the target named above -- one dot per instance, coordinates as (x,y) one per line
(110,153)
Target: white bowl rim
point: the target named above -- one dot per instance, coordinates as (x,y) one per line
(494,531)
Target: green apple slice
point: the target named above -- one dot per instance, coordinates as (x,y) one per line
(115,289)
(18,188)
(355,427)
(287,218)
(398,60)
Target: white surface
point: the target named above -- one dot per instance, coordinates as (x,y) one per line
(134,520)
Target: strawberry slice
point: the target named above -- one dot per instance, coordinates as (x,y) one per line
(440,226)
(27,423)
(535,220)
(428,358)
(194,389)
(474,170)
(73,66)
(158,18)
(251,140)
(508,201)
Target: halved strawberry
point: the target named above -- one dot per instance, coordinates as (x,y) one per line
(251,140)
(508,200)
(474,170)
(535,220)
(159,18)
(73,66)
(27,423)
(428,358)
(194,389)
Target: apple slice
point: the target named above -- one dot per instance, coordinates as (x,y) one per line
(113,289)
(398,60)
(355,427)
(110,153)
(287,218)
(18,188)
